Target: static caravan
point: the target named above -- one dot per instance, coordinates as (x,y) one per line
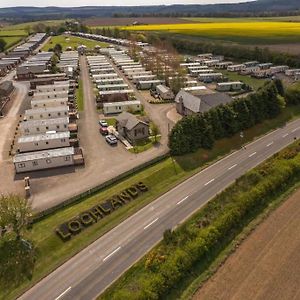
(127,68)
(104,76)
(195,90)
(118,107)
(187,65)
(229,86)
(265,66)
(148,84)
(164,92)
(249,70)
(109,81)
(278,69)
(292,72)
(114,96)
(40,103)
(37,142)
(210,77)
(197,68)
(99,65)
(113,87)
(210,62)
(46,113)
(129,64)
(249,64)
(43,126)
(130,72)
(195,73)
(51,95)
(223,64)
(42,160)
(137,78)
(235,68)
(52,88)
(191,83)
(102,71)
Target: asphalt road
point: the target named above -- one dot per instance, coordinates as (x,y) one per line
(91,271)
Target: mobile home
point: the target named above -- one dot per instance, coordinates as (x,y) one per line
(118,107)
(41,160)
(46,113)
(229,86)
(148,84)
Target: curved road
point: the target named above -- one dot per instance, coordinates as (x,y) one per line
(92,270)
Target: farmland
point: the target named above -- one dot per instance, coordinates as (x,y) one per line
(71,41)
(274,249)
(11,36)
(238,32)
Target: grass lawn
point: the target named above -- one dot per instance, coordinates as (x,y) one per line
(111,121)
(144,145)
(71,41)
(255,83)
(11,40)
(31,24)
(250,32)
(80,96)
(161,177)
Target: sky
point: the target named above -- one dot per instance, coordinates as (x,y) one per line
(66,3)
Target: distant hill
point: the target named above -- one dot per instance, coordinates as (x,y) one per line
(256,7)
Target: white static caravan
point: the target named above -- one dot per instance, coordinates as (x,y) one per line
(104,76)
(37,142)
(51,95)
(265,66)
(187,65)
(197,68)
(103,71)
(210,76)
(229,86)
(223,64)
(109,81)
(42,160)
(292,72)
(127,68)
(43,126)
(249,70)
(129,64)
(118,107)
(104,94)
(195,73)
(195,90)
(191,83)
(164,92)
(44,103)
(52,88)
(46,113)
(148,84)
(97,65)
(137,78)
(278,69)
(132,72)
(210,62)
(112,87)
(235,68)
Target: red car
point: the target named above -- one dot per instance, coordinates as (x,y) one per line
(103,130)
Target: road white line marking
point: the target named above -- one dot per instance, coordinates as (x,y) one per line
(270,144)
(179,202)
(147,226)
(232,167)
(285,135)
(111,254)
(207,183)
(63,293)
(252,154)
(295,129)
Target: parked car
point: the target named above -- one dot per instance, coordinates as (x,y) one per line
(111,139)
(103,130)
(30,93)
(103,123)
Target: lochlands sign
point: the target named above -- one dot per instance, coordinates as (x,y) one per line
(87,218)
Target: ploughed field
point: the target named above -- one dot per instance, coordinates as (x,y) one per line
(266,265)
(241,31)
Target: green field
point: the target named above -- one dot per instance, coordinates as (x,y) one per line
(244,32)
(12,36)
(71,41)
(31,24)
(160,178)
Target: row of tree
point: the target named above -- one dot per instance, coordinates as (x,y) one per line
(202,130)
(196,243)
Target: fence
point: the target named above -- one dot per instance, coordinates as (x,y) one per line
(78,198)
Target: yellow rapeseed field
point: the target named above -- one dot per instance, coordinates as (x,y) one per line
(235,31)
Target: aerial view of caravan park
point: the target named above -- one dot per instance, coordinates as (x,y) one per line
(150,150)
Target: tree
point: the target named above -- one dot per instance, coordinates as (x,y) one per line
(57,49)
(2,45)
(15,213)
(155,131)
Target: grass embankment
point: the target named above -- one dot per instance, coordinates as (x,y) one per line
(80,97)
(12,36)
(168,269)
(240,32)
(72,41)
(255,83)
(52,252)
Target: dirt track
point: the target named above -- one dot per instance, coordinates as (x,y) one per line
(267,264)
